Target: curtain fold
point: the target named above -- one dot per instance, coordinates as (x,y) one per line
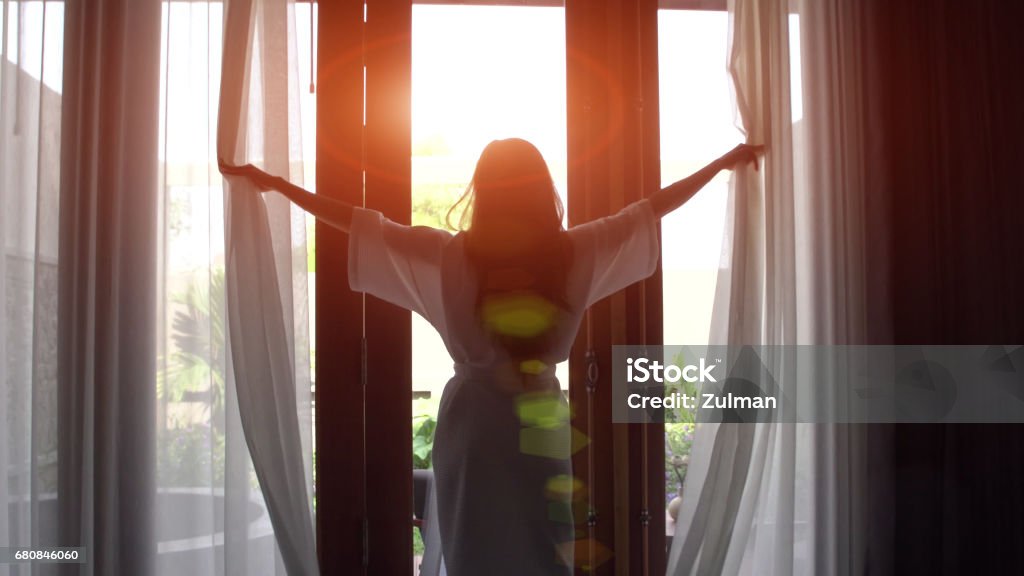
(257,122)
(783,498)
(107,284)
(121,422)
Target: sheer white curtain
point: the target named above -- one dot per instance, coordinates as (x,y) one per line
(31,74)
(121,411)
(77,358)
(788,498)
(235,441)
(259,122)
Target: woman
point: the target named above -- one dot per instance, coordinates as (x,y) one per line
(507,295)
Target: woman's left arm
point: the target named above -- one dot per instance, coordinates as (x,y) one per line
(675,195)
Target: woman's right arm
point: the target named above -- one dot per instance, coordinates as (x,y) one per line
(335,213)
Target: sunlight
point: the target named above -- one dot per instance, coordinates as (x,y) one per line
(476,80)
(479,73)
(697,126)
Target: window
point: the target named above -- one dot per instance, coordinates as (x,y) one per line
(473,81)
(192,419)
(696,123)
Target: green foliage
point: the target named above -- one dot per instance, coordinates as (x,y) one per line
(681,415)
(423,427)
(424,424)
(193,454)
(433,145)
(196,364)
(678,442)
(431,204)
(190,456)
(178,213)
(417,542)
(680,428)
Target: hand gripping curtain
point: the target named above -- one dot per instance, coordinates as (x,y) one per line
(784,498)
(256,125)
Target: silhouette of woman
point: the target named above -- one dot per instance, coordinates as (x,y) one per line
(507,295)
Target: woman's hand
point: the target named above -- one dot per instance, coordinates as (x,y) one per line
(741,155)
(261,179)
(671,197)
(328,210)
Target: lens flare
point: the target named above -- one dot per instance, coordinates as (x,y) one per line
(542,410)
(518,315)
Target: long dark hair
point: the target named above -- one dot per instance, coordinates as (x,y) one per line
(516,244)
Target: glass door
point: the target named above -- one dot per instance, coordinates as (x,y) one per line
(697,125)
(479,73)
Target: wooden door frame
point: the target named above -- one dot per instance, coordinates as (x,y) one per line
(614,160)
(363,367)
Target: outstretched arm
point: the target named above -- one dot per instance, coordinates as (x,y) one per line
(333,212)
(675,195)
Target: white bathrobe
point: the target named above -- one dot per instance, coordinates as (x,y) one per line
(497,465)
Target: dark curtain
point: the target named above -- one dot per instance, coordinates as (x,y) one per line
(953,117)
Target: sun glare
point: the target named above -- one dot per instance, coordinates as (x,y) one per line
(486,72)
(479,73)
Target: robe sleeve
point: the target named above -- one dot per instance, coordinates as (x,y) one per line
(617,250)
(396,263)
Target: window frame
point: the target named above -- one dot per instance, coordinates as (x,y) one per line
(361,526)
